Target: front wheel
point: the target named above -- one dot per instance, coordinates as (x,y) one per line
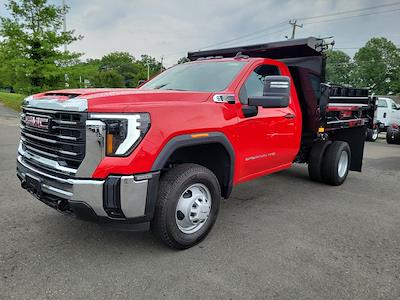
(187,205)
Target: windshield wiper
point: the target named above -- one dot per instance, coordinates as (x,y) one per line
(160,86)
(175,90)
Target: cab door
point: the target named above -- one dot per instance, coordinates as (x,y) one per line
(395,114)
(267,136)
(383,113)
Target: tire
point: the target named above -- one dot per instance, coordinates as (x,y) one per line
(372,134)
(315,160)
(190,180)
(335,166)
(392,137)
(389,138)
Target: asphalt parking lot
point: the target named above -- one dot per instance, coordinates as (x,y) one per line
(281,236)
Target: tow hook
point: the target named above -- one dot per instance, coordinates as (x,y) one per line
(62,205)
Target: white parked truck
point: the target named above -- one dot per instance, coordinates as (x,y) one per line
(388,113)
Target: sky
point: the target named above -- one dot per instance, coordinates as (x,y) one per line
(171,28)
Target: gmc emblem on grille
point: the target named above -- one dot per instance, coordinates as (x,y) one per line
(37,122)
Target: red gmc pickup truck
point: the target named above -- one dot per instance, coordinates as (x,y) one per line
(162,156)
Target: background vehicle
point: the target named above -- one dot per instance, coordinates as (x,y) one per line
(388,112)
(162,156)
(393,134)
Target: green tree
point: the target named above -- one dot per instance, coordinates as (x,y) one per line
(116,69)
(108,79)
(82,72)
(32,42)
(125,65)
(183,60)
(155,66)
(6,78)
(338,67)
(378,66)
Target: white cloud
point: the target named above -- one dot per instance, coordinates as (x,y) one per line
(173,27)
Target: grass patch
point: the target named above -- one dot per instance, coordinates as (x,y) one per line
(12,101)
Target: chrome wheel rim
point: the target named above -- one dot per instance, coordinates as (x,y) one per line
(193,208)
(343,163)
(375,134)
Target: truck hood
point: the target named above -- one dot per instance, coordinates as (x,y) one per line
(111,100)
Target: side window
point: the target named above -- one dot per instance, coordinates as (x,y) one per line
(254,84)
(382,103)
(394,106)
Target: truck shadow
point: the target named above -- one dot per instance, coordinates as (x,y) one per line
(87,236)
(270,190)
(384,163)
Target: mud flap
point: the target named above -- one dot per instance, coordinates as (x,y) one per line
(355,137)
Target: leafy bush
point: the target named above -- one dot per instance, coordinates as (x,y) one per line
(13,101)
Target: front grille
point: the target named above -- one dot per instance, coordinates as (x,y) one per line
(61,139)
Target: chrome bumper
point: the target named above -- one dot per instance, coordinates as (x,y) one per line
(67,194)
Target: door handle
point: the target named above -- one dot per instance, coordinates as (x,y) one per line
(290,116)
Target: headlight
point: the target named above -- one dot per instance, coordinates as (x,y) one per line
(123,132)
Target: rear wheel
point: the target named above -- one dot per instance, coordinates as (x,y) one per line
(389,138)
(336,163)
(372,134)
(315,160)
(187,206)
(392,137)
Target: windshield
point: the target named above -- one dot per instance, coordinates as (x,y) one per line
(208,76)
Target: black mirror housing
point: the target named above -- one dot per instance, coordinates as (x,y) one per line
(269,102)
(276,93)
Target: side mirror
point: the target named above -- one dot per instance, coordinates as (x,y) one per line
(276,93)
(141,82)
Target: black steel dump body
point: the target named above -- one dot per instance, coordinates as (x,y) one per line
(306,61)
(327,109)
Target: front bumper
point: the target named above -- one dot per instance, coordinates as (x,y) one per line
(120,201)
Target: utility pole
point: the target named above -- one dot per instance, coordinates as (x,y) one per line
(294,24)
(162,59)
(66,78)
(64,22)
(148,70)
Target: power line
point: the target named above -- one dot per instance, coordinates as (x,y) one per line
(349,17)
(245,35)
(388,36)
(242,37)
(356,48)
(264,30)
(350,11)
(309,18)
(330,20)
(257,37)
(252,38)
(314,17)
